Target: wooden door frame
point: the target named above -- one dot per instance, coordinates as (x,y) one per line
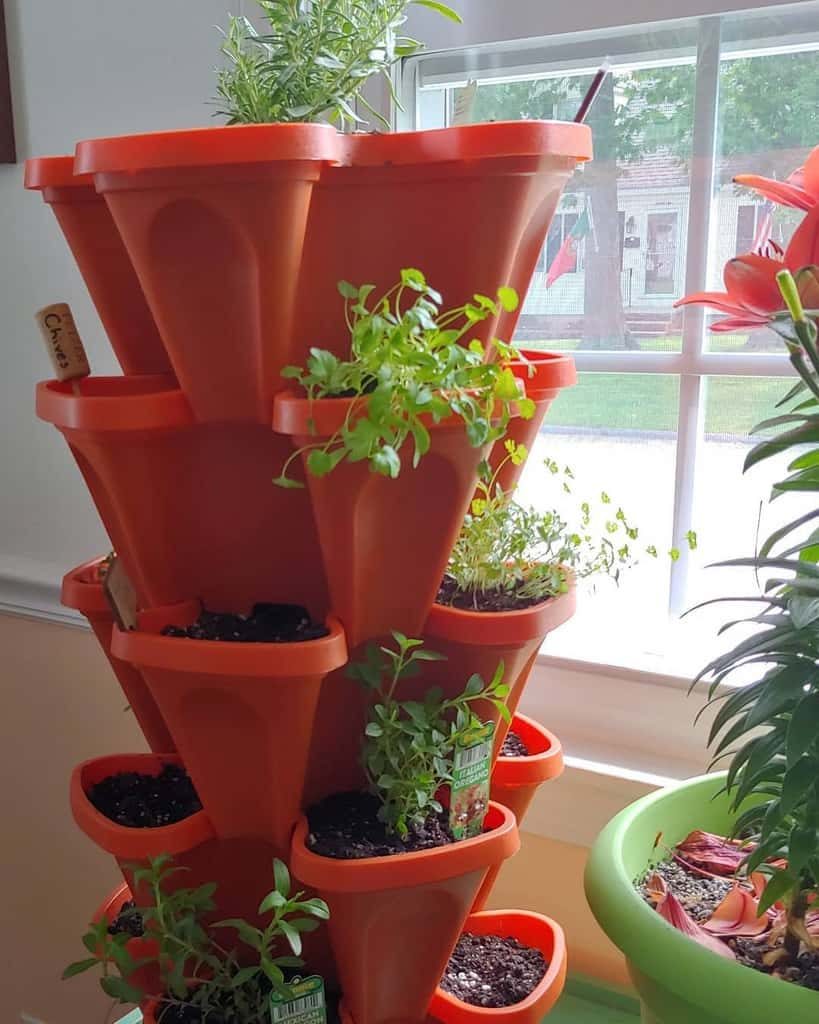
(8,152)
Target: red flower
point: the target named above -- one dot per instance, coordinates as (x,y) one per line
(800,189)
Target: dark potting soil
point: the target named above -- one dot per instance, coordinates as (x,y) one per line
(483,600)
(346,826)
(266,624)
(146,801)
(127,921)
(513,746)
(804,972)
(700,896)
(491,971)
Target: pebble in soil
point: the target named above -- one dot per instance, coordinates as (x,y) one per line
(346,826)
(146,801)
(266,624)
(513,746)
(491,971)
(128,921)
(483,600)
(699,895)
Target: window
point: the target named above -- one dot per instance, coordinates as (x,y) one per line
(661,416)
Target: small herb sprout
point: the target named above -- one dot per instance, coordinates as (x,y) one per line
(314,58)
(193,968)
(407,369)
(409,745)
(511,555)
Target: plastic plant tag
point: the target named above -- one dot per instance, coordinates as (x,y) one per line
(464,104)
(65,348)
(120,594)
(307,1003)
(471,775)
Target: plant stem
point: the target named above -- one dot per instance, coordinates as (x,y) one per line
(795,924)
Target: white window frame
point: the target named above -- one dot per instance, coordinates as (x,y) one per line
(566,692)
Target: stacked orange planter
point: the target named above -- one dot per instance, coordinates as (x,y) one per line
(213,257)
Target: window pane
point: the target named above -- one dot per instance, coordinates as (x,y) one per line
(617,432)
(614,262)
(768,120)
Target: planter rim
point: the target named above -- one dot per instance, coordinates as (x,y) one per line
(122,894)
(209,147)
(544,764)
(44,172)
(501,628)
(114,404)
(82,591)
(657,950)
(146,648)
(499,841)
(552,372)
(451,1010)
(471,142)
(122,841)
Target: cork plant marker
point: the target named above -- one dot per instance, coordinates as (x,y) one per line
(65,348)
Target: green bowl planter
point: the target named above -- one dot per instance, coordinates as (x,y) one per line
(241,714)
(475,642)
(82,591)
(395,920)
(189,508)
(103,261)
(679,981)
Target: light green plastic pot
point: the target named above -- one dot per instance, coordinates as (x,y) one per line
(679,981)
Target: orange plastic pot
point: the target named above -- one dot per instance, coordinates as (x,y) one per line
(475,642)
(533,930)
(241,714)
(82,591)
(395,920)
(515,780)
(214,221)
(189,508)
(470,206)
(145,978)
(103,261)
(545,375)
(385,542)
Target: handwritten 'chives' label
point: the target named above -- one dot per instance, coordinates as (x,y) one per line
(464,104)
(120,594)
(307,1003)
(471,775)
(65,348)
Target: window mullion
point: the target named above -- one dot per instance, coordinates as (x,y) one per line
(692,390)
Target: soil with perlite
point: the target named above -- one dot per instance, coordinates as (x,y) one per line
(346,826)
(513,746)
(491,971)
(700,896)
(266,624)
(483,600)
(137,800)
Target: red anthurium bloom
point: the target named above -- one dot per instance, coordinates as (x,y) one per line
(669,907)
(710,854)
(738,915)
(800,189)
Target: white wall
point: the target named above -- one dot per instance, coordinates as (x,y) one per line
(79,69)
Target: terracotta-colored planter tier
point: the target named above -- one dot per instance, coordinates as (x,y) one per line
(189,508)
(241,868)
(82,591)
(103,262)
(553,371)
(214,221)
(532,930)
(385,542)
(494,186)
(145,978)
(515,780)
(241,714)
(395,920)
(475,642)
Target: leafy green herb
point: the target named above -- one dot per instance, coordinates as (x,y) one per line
(408,369)
(409,745)
(194,969)
(313,59)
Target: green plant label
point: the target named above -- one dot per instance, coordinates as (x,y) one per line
(306,1004)
(471,773)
